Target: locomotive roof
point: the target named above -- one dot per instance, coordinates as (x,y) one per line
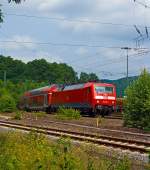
(41,90)
(82,85)
(98,83)
(67,87)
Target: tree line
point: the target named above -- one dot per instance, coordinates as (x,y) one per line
(41,71)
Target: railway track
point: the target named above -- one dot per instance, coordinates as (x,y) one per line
(115,142)
(113,117)
(141,135)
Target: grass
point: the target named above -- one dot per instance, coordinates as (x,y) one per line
(39,114)
(18,115)
(33,151)
(68,114)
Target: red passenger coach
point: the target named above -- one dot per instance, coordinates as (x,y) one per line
(38,99)
(94,98)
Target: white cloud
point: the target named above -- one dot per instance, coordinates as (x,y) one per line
(49,57)
(117,11)
(82,51)
(79,26)
(48,5)
(27,56)
(44,5)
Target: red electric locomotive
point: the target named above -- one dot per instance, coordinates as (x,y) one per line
(95,98)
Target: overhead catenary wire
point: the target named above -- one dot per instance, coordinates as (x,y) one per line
(115,60)
(47,43)
(65,44)
(83,58)
(73,20)
(118,60)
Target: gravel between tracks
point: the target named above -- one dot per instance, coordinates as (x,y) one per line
(70,125)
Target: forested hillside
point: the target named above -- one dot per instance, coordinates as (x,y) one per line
(36,70)
(121,84)
(40,71)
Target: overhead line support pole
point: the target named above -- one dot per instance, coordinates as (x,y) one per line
(127,49)
(5,78)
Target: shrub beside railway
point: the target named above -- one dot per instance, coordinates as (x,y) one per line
(137,103)
(66,114)
(33,151)
(7,103)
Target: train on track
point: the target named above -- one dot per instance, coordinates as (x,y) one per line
(93,98)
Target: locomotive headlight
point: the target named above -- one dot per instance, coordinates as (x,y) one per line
(97,101)
(113,102)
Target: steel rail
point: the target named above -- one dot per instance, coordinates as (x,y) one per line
(132,145)
(100,128)
(114,117)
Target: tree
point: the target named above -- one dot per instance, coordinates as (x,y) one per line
(7,103)
(137,103)
(16,1)
(1,14)
(93,77)
(37,71)
(84,77)
(15,68)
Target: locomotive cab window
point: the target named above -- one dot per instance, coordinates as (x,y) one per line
(103,89)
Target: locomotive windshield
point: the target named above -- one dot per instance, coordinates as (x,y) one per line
(103,89)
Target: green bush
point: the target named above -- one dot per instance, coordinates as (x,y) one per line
(7,103)
(34,151)
(137,103)
(18,115)
(39,114)
(68,113)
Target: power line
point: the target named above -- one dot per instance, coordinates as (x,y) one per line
(107,73)
(83,58)
(64,44)
(118,60)
(72,20)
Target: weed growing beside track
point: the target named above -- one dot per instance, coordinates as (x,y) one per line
(18,115)
(68,114)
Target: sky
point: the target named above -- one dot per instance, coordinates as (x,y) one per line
(86,34)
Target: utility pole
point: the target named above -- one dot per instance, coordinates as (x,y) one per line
(5,78)
(127,50)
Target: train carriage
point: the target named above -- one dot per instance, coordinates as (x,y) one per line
(94,98)
(38,99)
